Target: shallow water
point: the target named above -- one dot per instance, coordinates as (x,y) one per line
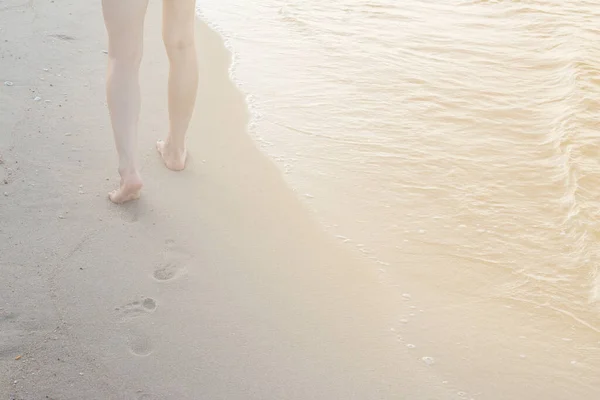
(464,131)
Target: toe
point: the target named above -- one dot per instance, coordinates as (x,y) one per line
(160,146)
(112,196)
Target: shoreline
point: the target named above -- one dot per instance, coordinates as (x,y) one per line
(467,322)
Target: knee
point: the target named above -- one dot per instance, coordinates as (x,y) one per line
(126,55)
(177,46)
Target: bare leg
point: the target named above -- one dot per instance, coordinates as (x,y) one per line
(178,34)
(124,21)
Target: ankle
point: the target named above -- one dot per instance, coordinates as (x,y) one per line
(175,145)
(127,172)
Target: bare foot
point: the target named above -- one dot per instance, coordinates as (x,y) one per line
(174,159)
(129,189)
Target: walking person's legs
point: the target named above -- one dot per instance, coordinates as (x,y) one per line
(178,34)
(124,21)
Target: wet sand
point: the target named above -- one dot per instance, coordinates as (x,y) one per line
(216,284)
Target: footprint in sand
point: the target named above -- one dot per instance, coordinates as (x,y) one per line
(143,396)
(167,272)
(140,346)
(173,264)
(137,308)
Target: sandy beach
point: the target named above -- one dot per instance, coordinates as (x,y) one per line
(345,245)
(216,284)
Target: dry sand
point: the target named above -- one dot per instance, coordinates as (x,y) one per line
(216,284)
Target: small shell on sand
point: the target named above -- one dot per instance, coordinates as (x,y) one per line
(8,83)
(37,98)
(428,360)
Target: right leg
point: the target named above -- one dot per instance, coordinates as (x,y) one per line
(179,18)
(124,20)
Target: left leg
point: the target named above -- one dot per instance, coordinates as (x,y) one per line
(179,17)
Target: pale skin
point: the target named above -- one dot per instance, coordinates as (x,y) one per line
(124,20)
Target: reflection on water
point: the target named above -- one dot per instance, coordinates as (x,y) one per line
(461,130)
